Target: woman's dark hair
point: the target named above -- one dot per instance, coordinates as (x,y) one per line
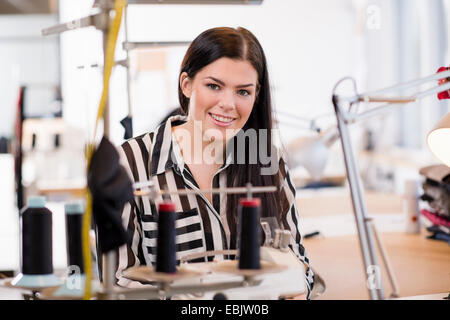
(239,44)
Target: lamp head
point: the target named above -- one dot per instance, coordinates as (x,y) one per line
(439,140)
(312,152)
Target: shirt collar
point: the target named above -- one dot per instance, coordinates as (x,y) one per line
(166,152)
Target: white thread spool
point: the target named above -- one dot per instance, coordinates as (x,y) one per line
(411,206)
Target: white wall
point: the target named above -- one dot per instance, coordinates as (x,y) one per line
(25,58)
(9,216)
(309,46)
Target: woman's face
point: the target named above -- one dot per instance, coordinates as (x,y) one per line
(222,95)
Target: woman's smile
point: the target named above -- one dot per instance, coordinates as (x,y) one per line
(221,120)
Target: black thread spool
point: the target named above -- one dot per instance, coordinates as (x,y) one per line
(74,224)
(249,233)
(37,238)
(37,248)
(165,245)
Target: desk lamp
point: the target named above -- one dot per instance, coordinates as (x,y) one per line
(438,141)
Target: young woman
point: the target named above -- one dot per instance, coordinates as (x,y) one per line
(225,95)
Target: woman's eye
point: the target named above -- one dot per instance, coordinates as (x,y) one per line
(243,92)
(213,86)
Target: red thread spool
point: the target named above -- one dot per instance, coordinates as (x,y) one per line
(249,234)
(165,245)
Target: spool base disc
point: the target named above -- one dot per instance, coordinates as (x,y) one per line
(33,282)
(232,266)
(148,274)
(73,288)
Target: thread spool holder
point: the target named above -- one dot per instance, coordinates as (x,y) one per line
(164,288)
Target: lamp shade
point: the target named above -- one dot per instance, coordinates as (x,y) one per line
(312,152)
(439,140)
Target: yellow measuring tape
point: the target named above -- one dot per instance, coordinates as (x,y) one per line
(107,69)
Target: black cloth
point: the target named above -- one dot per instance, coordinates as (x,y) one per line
(127,123)
(111,188)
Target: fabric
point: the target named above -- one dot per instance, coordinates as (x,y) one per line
(440,236)
(436,172)
(437,196)
(111,188)
(435,218)
(201,225)
(127,124)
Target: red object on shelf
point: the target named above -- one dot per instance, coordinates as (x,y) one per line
(444,94)
(435,218)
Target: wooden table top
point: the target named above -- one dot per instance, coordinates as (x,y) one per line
(421,266)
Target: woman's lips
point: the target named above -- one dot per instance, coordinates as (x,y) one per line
(214,118)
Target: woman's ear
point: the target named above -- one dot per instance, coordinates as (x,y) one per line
(186,85)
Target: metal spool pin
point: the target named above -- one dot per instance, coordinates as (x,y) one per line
(153,193)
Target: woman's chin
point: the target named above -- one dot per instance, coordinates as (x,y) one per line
(220,134)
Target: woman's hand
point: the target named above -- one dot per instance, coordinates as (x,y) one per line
(298,297)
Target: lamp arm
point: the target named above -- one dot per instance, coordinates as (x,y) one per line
(397,101)
(352,118)
(378,94)
(412,83)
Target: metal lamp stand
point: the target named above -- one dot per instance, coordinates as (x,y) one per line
(366,228)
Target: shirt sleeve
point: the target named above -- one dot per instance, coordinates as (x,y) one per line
(130,254)
(291,220)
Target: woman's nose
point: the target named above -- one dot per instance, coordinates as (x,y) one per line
(227,101)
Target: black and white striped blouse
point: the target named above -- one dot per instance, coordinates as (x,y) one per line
(201,226)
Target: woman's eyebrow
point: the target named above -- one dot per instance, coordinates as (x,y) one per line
(222,83)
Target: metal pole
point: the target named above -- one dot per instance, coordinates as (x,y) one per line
(127,50)
(106,127)
(395,291)
(109,258)
(359,208)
